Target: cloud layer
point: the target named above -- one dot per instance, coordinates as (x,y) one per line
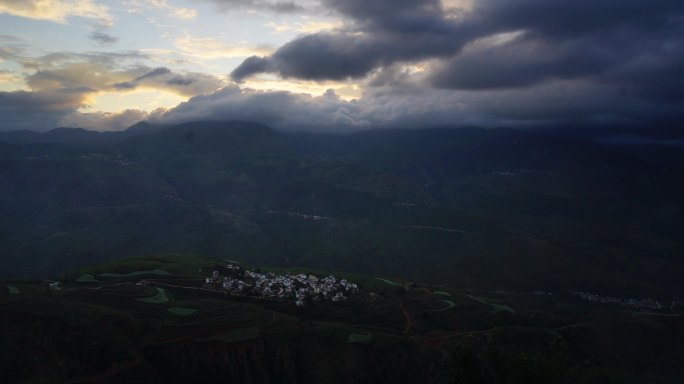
(417,63)
(617,53)
(62,84)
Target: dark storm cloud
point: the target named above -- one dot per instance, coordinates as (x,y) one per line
(250,66)
(569,103)
(380,12)
(629,44)
(23,101)
(336,56)
(319,57)
(501,62)
(39,111)
(630,53)
(562,39)
(521,62)
(573,17)
(383,32)
(103,38)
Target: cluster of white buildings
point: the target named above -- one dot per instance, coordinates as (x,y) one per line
(300,287)
(636,303)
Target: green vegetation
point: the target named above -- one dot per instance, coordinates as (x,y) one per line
(502,308)
(162,265)
(359,338)
(242,334)
(461,208)
(496,308)
(135,273)
(450,304)
(159,298)
(478,299)
(389,282)
(182,311)
(464,209)
(390,334)
(87,278)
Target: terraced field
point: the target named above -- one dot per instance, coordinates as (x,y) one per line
(174,329)
(155,271)
(159,298)
(87,278)
(182,311)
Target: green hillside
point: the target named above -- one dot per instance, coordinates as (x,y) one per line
(173,330)
(464,208)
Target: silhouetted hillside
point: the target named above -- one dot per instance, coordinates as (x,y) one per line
(499,208)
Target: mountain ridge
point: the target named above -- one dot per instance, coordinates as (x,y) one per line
(468,208)
(76,135)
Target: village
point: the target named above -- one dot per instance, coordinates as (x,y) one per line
(635,303)
(300,288)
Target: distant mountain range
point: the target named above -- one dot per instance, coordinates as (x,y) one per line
(486,208)
(77,135)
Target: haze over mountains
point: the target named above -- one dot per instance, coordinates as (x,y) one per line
(479,208)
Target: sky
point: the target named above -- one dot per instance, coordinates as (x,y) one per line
(331,65)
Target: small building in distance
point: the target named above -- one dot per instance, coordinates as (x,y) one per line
(299,288)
